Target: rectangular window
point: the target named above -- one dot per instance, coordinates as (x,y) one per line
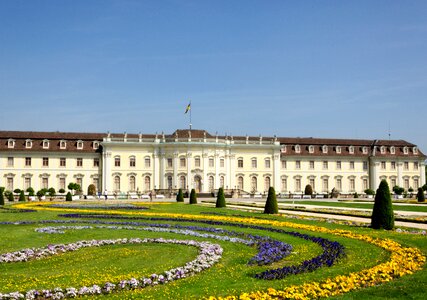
(211,163)
(267,164)
(95,182)
(117,161)
(406,184)
(298,165)
(45,183)
(339,165)
(9,184)
(393,165)
(416,184)
(365,165)
(62,183)
(406,165)
(79,181)
(311,165)
(170,163)
(96,162)
(416,165)
(365,184)
(325,165)
(352,187)
(28,161)
(197,162)
(298,185)
(240,163)
(325,187)
(27,183)
(62,162)
(10,161)
(221,163)
(393,183)
(45,161)
(254,163)
(312,183)
(352,165)
(339,184)
(284,184)
(182,162)
(147,162)
(284,165)
(383,165)
(79,162)
(132,162)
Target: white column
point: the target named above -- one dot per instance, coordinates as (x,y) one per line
(162,170)
(232,170)
(374,166)
(276,172)
(156,169)
(205,173)
(227,171)
(399,173)
(175,170)
(422,173)
(189,177)
(216,171)
(106,170)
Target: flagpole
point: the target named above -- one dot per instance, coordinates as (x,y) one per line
(190,115)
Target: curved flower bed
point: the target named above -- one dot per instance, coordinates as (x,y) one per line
(95,206)
(209,254)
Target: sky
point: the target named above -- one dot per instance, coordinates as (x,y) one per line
(332,69)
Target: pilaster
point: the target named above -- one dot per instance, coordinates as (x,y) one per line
(106,170)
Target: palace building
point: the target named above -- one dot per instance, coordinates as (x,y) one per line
(188,159)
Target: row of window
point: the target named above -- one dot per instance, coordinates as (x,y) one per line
(46,144)
(46,161)
(351,149)
(45,184)
(393,165)
(325,164)
(169,162)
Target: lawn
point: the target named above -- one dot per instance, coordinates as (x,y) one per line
(230,276)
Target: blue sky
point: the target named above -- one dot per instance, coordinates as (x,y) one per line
(340,69)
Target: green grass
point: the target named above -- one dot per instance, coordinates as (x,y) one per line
(230,276)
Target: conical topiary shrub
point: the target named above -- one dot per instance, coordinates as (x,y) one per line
(68,197)
(180,196)
(1,196)
(420,195)
(193,197)
(220,198)
(271,203)
(22,196)
(382,214)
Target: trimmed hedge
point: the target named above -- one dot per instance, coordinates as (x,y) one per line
(22,196)
(180,196)
(68,197)
(271,203)
(220,198)
(382,214)
(420,195)
(193,197)
(1,195)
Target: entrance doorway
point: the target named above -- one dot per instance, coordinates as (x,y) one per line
(197,183)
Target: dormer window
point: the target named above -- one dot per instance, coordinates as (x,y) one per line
(11,143)
(62,144)
(95,145)
(392,150)
(365,150)
(297,148)
(325,149)
(28,144)
(405,150)
(382,150)
(45,144)
(415,150)
(80,145)
(310,149)
(283,149)
(338,149)
(351,149)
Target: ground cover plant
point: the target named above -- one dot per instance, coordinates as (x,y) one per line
(252,244)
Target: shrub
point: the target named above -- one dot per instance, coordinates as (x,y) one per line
(52,192)
(220,198)
(369,192)
(9,196)
(180,196)
(425,187)
(271,203)
(355,195)
(68,197)
(74,187)
(334,193)
(398,190)
(420,195)
(1,195)
(193,197)
(17,191)
(61,191)
(411,190)
(22,196)
(91,190)
(382,214)
(41,193)
(307,191)
(30,191)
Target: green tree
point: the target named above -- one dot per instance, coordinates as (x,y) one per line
(52,193)
(271,203)
(68,197)
(9,196)
(308,190)
(420,195)
(30,191)
(22,196)
(382,214)
(17,191)
(91,190)
(41,193)
(370,192)
(193,197)
(220,198)
(1,195)
(180,196)
(398,190)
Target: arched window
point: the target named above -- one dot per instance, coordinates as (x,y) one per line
(211,183)
(169,182)
(117,183)
(147,183)
(254,187)
(221,181)
(132,183)
(240,182)
(182,182)
(267,183)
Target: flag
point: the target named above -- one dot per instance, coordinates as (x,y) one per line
(188,108)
